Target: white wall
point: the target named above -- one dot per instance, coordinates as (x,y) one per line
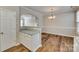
(64,24)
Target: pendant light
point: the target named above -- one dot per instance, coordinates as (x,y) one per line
(52,16)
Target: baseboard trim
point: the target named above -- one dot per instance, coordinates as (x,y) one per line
(60,34)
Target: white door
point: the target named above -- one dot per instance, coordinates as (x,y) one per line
(7,28)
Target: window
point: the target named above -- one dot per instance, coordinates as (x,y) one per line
(77,22)
(28,20)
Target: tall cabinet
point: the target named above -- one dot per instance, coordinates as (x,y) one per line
(30,29)
(7,28)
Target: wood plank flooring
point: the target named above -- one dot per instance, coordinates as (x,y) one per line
(50,43)
(19,48)
(56,43)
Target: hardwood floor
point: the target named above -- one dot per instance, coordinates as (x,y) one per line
(50,43)
(19,48)
(56,43)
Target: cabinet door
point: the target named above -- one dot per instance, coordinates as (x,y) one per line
(7,28)
(76,44)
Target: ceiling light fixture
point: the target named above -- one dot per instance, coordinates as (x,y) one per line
(52,16)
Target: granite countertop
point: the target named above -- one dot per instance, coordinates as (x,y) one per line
(30,32)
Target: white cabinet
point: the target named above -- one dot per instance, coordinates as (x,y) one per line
(76,44)
(28,20)
(28,17)
(30,35)
(7,28)
(32,42)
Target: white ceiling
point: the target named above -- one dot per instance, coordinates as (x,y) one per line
(46,9)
